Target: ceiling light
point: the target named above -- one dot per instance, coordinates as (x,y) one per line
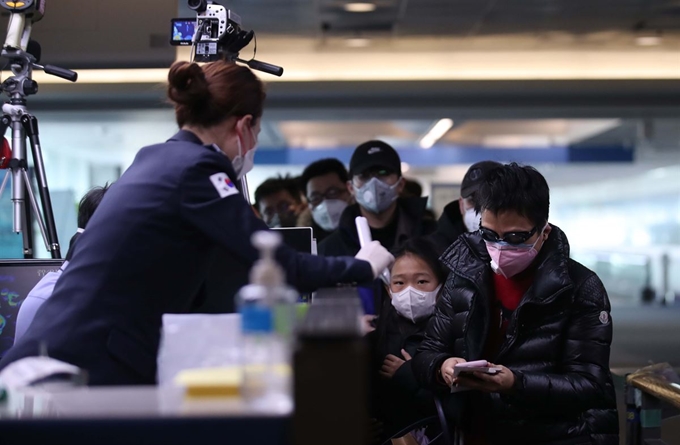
(650,40)
(357,43)
(405,167)
(360,7)
(436,132)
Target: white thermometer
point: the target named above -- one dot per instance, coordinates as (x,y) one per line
(364,232)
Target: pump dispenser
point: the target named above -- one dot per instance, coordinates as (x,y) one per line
(267,307)
(267,271)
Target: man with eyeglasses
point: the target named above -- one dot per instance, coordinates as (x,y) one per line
(325,183)
(279,201)
(376,183)
(515,298)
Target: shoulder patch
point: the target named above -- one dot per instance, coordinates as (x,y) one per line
(604,317)
(223,185)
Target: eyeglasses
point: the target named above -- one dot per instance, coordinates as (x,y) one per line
(332,193)
(367,175)
(280,208)
(513,238)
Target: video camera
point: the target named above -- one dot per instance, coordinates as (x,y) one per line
(216,34)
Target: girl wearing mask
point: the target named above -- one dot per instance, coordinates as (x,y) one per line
(416,282)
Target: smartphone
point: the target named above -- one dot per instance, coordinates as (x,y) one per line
(182,31)
(476,366)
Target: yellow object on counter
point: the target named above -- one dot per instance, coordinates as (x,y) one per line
(211,382)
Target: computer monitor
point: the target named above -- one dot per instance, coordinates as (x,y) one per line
(302,240)
(17,278)
(299,238)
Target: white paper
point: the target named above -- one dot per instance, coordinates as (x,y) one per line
(29,370)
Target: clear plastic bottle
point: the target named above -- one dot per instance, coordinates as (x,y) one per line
(267,308)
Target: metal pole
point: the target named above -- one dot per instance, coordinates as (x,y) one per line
(30,124)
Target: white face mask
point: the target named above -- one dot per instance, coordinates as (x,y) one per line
(414,304)
(471,220)
(244,164)
(376,196)
(327,214)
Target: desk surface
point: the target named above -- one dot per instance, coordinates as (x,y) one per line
(143,415)
(129,401)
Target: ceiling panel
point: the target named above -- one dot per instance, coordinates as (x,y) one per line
(128,33)
(78,34)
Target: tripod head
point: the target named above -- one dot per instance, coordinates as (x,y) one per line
(216,34)
(23,53)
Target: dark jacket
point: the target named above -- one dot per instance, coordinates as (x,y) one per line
(345,240)
(400,401)
(449,227)
(147,251)
(557,345)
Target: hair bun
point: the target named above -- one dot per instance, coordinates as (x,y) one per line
(187,84)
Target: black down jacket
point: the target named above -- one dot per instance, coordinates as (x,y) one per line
(557,345)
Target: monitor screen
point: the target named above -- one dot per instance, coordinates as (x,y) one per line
(299,238)
(302,240)
(182,32)
(17,278)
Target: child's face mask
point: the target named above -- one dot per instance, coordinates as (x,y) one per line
(414,304)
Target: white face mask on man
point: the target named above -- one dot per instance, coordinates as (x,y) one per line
(327,214)
(471,220)
(375,195)
(414,304)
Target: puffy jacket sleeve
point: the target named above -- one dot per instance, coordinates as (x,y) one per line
(584,381)
(210,203)
(441,336)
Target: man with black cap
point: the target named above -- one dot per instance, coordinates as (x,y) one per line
(459,216)
(376,182)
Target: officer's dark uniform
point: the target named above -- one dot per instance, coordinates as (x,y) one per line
(146,251)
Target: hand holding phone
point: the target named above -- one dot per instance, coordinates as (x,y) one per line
(488,377)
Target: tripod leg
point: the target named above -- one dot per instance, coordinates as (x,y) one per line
(27,232)
(30,124)
(17,164)
(4,183)
(36,211)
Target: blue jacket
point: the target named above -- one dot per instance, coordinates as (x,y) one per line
(147,251)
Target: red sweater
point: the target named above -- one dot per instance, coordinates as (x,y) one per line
(508,293)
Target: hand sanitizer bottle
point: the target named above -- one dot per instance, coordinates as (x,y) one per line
(267,307)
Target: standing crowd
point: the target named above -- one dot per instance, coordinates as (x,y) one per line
(490,279)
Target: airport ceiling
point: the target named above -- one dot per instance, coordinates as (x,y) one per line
(126,33)
(101,34)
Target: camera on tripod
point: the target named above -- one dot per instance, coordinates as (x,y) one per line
(216,34)
(23,55)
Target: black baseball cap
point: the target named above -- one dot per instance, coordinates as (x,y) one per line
(475,176)
(374,154)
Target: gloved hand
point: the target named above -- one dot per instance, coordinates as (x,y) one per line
(377,256)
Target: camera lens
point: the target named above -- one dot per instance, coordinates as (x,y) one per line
(198,5)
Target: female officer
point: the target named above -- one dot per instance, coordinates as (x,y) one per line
(160,228)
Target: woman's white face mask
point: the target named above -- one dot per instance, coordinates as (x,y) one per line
(414,304)
(243,164)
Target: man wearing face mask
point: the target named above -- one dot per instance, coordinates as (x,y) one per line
(460,216)
(280,201)
(325,183)
(376,183)
(515,298)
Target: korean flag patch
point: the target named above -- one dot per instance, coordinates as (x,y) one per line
(223,185)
